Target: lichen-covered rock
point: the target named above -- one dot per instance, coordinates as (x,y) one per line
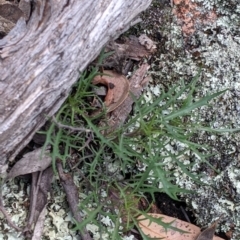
(214,47)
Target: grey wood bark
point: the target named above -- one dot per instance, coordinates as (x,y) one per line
(40,61)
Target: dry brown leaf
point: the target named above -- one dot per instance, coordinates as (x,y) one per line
(135,48)
(155,230)
(137,82)
(29,163)
(208,233)
(118,88)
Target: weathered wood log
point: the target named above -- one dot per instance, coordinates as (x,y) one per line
(40,61)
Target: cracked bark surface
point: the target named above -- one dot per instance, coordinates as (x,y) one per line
(41,60)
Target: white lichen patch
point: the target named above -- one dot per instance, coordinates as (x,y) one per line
(14,200)
(234,177)
(58,220)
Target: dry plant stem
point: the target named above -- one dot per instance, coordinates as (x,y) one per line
(36,178)
(85,157)
(89,139)
(41,183)
(185,214)
(74,129)
(72,197)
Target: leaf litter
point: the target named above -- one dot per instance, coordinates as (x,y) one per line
(28,170)
(121,94)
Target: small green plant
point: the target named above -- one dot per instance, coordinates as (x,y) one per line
(67,129)
(134,159)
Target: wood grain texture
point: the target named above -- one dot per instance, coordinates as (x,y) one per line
(40,61)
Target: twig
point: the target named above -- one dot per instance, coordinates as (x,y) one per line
(41,183)
(75,129)
(72,197)
(36,178)
(90,138)
(81,160)
(185,214)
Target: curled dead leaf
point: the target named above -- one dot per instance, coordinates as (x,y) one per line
(155,230)
(208,233)
(118,88)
